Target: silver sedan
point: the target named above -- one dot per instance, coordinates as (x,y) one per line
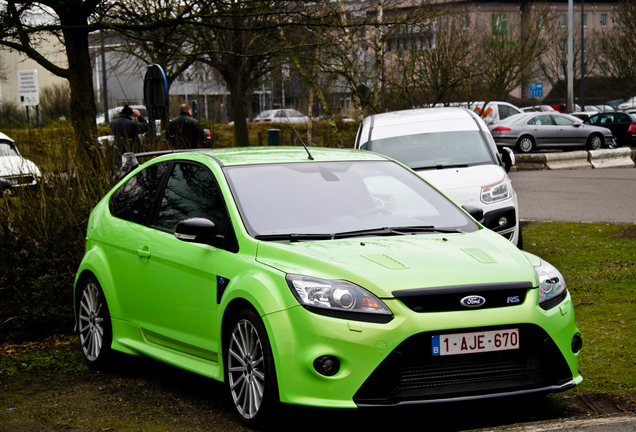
(531,131)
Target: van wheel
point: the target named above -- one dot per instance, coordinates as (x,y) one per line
(525,144)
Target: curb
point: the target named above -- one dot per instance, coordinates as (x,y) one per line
(623,157)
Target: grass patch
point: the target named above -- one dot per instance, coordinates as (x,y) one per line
(597,261)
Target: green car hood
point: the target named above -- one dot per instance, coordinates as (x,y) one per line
(386,264)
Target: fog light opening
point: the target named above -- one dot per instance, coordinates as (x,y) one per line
(503,222)
(577,343)
(327,365)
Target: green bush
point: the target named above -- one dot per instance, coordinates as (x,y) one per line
(42,234)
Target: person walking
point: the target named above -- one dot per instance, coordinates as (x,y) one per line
(184,131)
(126,129)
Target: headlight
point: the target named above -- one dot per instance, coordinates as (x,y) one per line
(551,282)
(335,295)
(496,192)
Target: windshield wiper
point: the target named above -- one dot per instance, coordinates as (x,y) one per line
(384,231)
(424,228)
(439,166)
(405,230)
(293,237)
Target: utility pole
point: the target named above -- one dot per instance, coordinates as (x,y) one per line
(569,107)
(582,57)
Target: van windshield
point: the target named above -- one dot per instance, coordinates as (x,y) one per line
(435,150)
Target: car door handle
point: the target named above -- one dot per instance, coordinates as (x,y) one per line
(144,253)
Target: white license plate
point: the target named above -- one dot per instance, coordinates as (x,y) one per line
(477,342)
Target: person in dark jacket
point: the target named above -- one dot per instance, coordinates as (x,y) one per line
(126,129)
(184,131)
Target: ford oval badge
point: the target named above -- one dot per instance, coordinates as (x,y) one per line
(473,301)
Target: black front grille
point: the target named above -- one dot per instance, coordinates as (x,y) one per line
(411,373)
(447,299)
(20,180)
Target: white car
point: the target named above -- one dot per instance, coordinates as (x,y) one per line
(452,149)
(114,112)
(281,116)
(537,108)
(14,169)
(628,104)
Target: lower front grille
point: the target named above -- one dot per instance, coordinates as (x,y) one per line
(411,373)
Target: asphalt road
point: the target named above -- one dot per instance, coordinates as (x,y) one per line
(586,195)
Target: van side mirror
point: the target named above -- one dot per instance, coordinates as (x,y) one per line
(475,212)
(508,158)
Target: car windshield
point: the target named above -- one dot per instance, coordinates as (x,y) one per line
(435,150)
(296,201)
(7,150)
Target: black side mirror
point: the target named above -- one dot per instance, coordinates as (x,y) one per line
(198,230)
(508,158)
(475,212)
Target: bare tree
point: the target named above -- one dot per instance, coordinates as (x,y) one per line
(510,48)
(23,26)
(618,55)
(553,62)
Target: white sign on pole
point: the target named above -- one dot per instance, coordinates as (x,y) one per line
(28,87)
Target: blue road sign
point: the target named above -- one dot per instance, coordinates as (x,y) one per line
(536,90)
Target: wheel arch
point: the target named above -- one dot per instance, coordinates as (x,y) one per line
(591,137)
(95,264)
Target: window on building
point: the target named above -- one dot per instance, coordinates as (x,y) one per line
(562,70)
(465,22)
(584,18)
(443,23)
(603,20)
(563,20)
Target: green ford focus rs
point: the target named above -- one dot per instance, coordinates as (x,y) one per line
(329,278)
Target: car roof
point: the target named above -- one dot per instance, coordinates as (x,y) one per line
(420,120)
(5,137)
(234,156)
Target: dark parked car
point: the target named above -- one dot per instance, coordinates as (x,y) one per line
(531,131)
(622,125)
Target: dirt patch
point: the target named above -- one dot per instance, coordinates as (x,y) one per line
(136,394)
(627,233)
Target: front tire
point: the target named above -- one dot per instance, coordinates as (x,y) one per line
(93,323)
(525,144)
(250,370)
(594,142)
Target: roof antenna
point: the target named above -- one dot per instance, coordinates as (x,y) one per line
(310,157)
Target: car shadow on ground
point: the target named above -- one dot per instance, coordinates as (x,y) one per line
(135,393)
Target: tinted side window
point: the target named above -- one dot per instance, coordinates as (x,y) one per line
(133,201)
(192,191)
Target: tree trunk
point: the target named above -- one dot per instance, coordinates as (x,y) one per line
(80,80)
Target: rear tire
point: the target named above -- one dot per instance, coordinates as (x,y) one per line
(93,323)
(525,144)
(251,375)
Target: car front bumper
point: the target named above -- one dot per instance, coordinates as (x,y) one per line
(392,364)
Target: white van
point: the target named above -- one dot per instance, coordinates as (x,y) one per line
(453,150)
(494,111)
